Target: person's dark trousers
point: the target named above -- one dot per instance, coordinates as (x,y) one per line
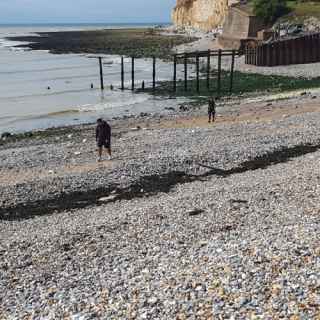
(212,116)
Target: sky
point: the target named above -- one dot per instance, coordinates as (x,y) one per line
(77,11)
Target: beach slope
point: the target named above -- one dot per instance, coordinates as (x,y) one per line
(188,221)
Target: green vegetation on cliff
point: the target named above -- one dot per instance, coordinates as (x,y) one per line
(271,10)
(304,9)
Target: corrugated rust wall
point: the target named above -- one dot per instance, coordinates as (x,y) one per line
(300,50)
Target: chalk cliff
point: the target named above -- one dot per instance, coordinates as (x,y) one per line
(200,14)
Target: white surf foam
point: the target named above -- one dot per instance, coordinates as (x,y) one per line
(119,101)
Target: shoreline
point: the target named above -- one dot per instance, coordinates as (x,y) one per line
(183,109)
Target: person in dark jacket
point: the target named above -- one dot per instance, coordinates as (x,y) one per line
(212,109)
(103,138)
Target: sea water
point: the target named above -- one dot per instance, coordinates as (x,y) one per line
(40,90)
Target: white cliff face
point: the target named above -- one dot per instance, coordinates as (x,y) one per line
(200,14)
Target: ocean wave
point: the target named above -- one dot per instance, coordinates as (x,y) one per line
(47,69)
(6,117)
(41,80)
(8,98)
(112,59)
(35,57)
(128,101)
(11,120)
(61,113)
(13,45)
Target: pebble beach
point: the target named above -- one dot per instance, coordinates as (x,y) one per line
(189,220)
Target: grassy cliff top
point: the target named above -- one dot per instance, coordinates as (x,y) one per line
(302,10)
(299,10)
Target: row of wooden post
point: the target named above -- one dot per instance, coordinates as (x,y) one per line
(132,73)
(208,56)
(175,61)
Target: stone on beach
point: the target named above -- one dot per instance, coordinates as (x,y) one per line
(109,198)
(191,223)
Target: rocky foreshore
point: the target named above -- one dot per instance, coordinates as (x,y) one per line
(188,221)
(137,42)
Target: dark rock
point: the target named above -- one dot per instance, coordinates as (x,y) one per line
(227,228)
(6,135)
(195,212)
(183,108)
(238,201)
(66,247)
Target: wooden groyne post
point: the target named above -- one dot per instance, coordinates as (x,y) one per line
(175,73)
(208,69)
(185,62)
(101,73)
(132,73)
(154,74)
(232,70)
(197,72)
(219,72)
(122,73)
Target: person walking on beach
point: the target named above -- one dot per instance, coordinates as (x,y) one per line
(212,109)
(103,138)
